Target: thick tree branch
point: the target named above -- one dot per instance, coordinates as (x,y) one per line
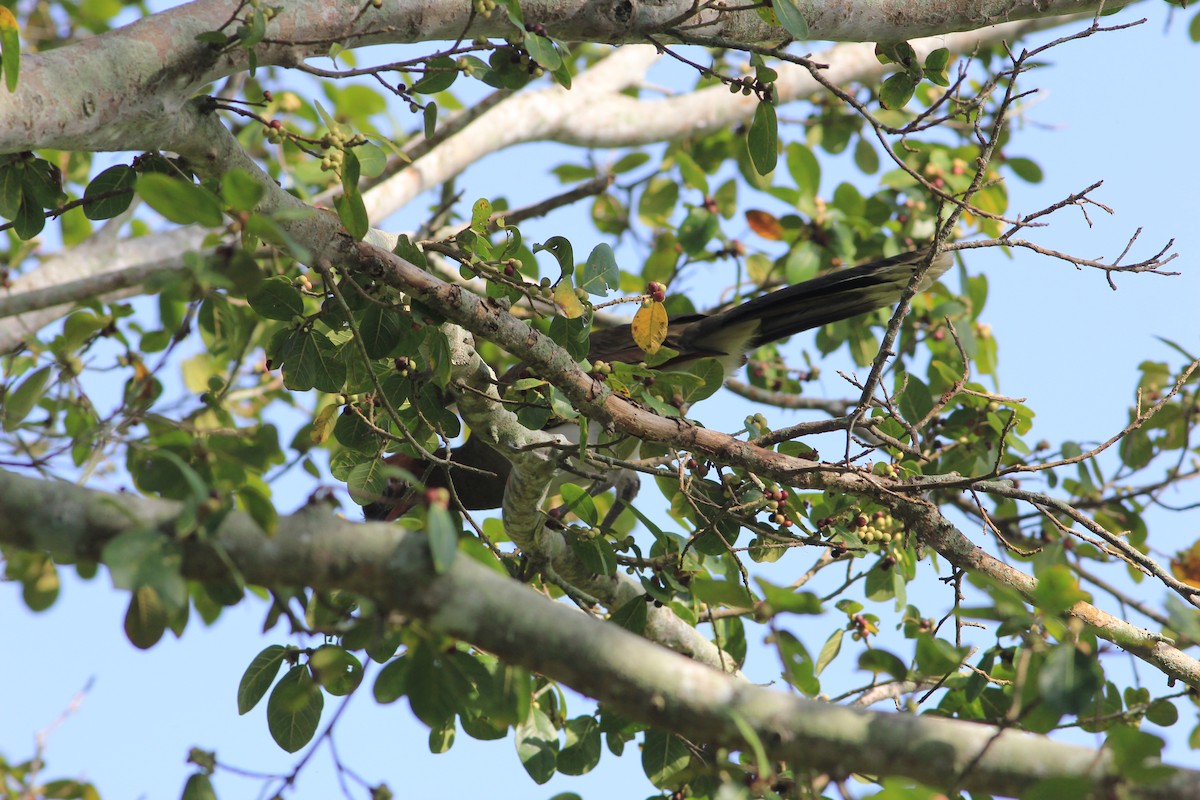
(636,678)
(594,113)
(121,90)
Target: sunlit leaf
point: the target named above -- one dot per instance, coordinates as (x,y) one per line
(10,48)
(649,327)
(537,746)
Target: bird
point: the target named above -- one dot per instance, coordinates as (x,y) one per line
(727,335)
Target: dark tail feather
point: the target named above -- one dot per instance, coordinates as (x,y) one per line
(829,298)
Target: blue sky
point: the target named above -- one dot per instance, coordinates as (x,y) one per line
(1119,107)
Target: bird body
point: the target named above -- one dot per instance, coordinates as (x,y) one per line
(727,335)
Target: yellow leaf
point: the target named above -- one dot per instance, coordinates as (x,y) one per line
(323,424)
(10,48)
(649,327)
(566,299)
(1186,566)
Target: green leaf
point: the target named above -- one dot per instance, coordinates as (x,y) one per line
(791,18)
(481,214)
(581,753)
(146,619)
(935,66)
(537,746)
(441,739)
(440,74)
(721,593)
(40,584)
(42,184)
(937,656)
(259,676)
(337,670)
(830,650)
(277,298)
(116,181)
(1069,679)
(804,168)
(144,557)
(562,75)
(784,600)
(10,189)
(352,211)
(429,119)
(560,248)
(632,615)
(240,190)
(294,709)
(882,661)
(865,157)
(198,787)
(897,90)
(697,229)
(21,400)
(664,755)
(1057,590)
(600,272)
(443,537)
(580,503)
(692,173)
(597,554)
(372,161)
(1163,713)
(916,401)
(1026,168)
(29,220)
(260,508)
(542,51)
(179,200)
(1135,752)
(879,585)
(380,329)
(763,137)
(313,362)
(630,161)
(410,252)
(392,681)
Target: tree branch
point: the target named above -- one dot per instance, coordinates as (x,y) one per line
(634,677)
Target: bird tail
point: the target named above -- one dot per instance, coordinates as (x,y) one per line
(829,298)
